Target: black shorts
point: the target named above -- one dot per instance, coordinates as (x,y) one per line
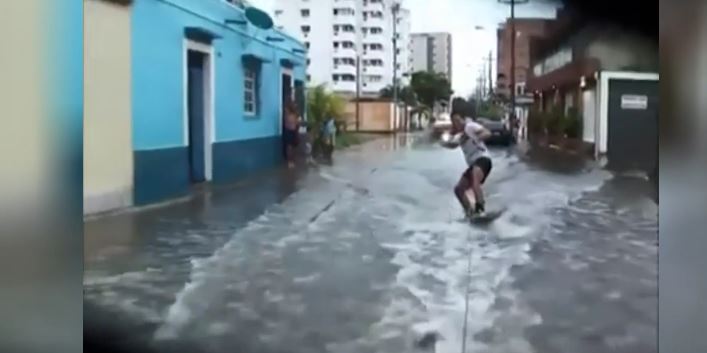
(484,163)
(291,137)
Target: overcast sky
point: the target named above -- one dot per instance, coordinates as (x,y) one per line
(460,17)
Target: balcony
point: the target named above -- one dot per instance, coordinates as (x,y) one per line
(370,21)
(344,86)
(373,88)
(374,5)
(345,19)
(377,37)
(344,52)
(345,36)
(340,69)
(373,70)
(374,54)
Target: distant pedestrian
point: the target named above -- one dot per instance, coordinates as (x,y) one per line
(308,146)
(290,133)
(329,135)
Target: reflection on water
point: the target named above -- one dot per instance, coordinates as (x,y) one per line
(367,255)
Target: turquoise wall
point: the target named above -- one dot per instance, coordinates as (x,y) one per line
(158,66)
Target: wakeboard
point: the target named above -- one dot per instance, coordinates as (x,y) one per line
(486,217)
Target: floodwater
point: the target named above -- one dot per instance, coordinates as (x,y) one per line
(371,254)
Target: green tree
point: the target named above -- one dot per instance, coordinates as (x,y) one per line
(405,94)
(322,104)
(488,109)
(386,92)
(431,88)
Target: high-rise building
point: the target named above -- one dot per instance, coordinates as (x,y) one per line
(350,42)
(432,52)
(404,46)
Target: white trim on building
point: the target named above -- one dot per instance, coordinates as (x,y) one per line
(209,92)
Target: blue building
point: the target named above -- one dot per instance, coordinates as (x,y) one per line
(207,94)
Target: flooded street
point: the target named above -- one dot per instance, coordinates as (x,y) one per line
(371,255)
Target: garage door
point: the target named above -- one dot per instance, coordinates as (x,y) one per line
(633,124)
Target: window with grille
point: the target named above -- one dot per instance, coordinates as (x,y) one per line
(250,91)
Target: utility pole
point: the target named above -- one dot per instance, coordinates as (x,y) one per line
(395,8)
(513,4)
(490,74)
(358,91)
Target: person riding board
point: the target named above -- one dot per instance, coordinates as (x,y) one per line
(471,135)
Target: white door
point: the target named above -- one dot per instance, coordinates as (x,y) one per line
(588,114)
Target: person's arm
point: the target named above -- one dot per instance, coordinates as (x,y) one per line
(453,142)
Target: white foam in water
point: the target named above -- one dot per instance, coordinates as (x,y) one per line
(439,249)
(207,275)
(431,248)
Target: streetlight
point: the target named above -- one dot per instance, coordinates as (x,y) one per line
(513,3)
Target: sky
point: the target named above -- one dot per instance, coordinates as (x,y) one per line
(460,18)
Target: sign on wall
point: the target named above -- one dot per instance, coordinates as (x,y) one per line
(633,101)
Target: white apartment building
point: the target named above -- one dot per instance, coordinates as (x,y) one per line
(404,46)
(350,42)
(432,52)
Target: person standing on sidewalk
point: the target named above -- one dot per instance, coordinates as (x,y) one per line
(329,134)
(291,133)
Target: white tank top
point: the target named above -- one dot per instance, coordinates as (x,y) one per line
(473,148)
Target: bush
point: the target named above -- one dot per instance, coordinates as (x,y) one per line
(573,124)
(536,122)
(322,104)
(555,122)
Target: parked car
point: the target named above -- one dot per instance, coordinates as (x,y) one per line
(500,132)
(442,123)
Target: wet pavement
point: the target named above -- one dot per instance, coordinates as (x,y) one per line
(371,255)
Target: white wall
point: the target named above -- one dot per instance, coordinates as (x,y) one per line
(419,52)
(589,115)
(441,52)
(617,50)
(405,45)
(320,38)
(107,148)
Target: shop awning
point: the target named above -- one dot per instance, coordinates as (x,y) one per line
(289,63)
(254,58)
(200,34)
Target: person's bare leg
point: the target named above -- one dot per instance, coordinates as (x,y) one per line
(460,192)
(478,176)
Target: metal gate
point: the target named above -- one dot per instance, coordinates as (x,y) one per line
(633,124)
